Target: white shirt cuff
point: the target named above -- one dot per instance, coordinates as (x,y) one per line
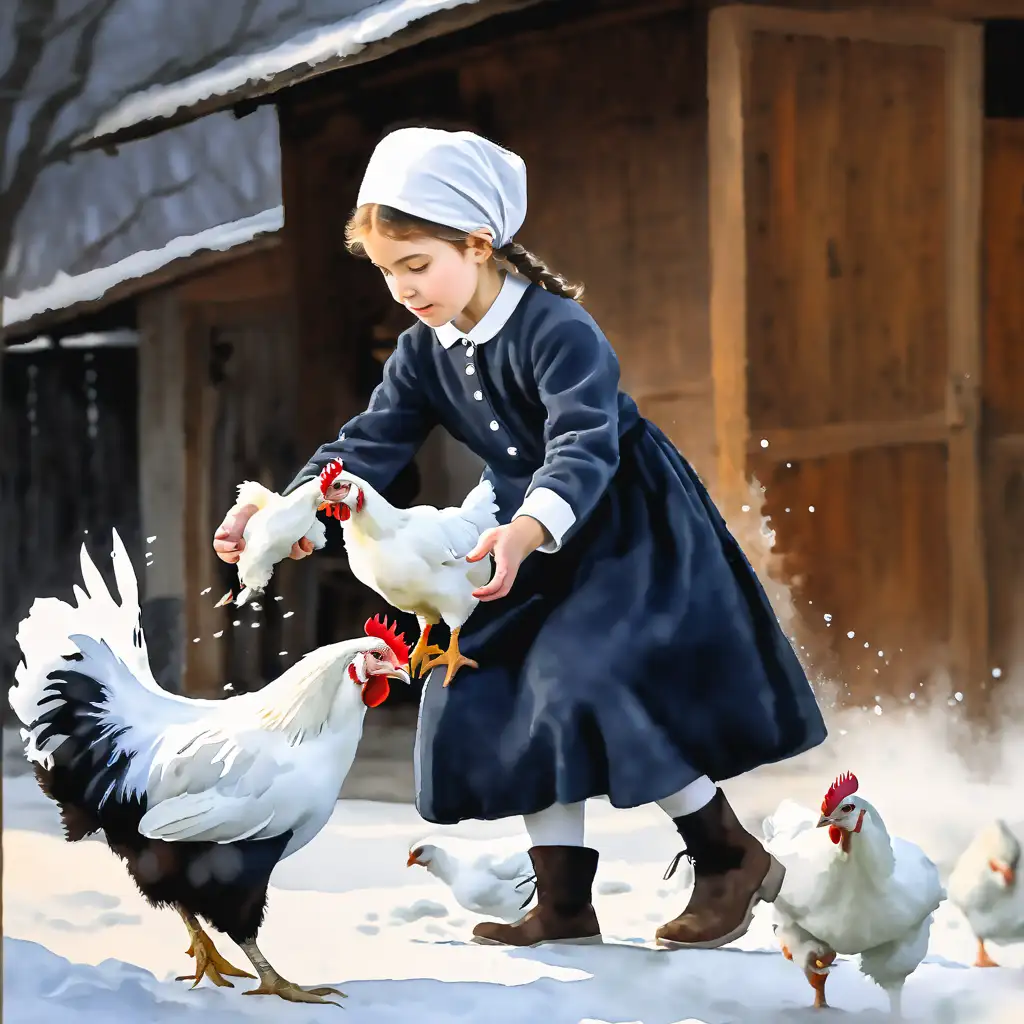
(552,511)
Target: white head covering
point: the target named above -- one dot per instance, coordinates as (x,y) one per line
(457,179)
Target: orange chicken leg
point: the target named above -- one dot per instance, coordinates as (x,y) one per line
(818,984)
(209,963)
(423,649)
(984,960)
(453,658)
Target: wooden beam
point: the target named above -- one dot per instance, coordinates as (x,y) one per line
(204,668)
(162,482)
(841,438)
(969,619)
(728,245)
(484,42)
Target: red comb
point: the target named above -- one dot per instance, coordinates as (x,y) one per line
(846,785)
(329,474)
(396,641)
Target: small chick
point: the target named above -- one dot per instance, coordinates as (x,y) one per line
(484,877)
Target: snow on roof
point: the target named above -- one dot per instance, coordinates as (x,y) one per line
(311,53)
(67,291)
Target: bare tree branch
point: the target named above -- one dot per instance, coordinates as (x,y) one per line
(33,156)
(37,27)
(91,255)
(175,69)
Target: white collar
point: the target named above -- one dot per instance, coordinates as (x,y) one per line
(504,305)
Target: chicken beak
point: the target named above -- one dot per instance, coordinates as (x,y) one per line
(400,674)
(412,859)
(1008,873)
(823,821)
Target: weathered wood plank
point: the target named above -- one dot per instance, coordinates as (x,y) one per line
(728,54)
(969,619)
(794,445)
(163,481)
(1004,277)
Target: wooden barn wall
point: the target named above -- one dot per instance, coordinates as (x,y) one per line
(612,125)
(68,475)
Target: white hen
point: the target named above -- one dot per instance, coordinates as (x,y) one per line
(854,890)
(279,522)
(200,798)
(489,878)
(415,558)
(985,886)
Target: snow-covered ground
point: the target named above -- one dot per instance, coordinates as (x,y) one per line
(82,946)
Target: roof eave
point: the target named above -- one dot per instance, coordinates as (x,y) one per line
(252,94)
(86,311)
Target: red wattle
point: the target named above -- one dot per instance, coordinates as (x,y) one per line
(344,512)
(375,691)
(835,834)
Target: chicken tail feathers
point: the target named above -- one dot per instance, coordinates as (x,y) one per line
(84,687)
(251,492)
(480,506)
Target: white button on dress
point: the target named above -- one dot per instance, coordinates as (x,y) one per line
(512,451)
(478,395)
(470,370)
(493,424)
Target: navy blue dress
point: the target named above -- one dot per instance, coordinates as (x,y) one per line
(640,654)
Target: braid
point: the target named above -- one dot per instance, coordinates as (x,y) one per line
(536,270)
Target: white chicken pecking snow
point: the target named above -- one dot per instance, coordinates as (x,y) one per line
(279,522)
(985,887)
(853,890)
(164,776)
(492,878)
(415,558)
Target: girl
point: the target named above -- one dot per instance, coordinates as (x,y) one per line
(625,645)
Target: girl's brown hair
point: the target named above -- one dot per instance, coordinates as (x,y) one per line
(393,223)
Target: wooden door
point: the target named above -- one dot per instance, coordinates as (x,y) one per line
(244,396)
(844,156)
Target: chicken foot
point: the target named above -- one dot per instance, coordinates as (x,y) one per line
(272,984)
(818,984)
(984,960)
(209,963)
(453,658)
(423,649)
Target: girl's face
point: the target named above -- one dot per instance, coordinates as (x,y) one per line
(435,280)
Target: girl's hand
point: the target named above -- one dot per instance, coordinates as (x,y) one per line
(229,543)
(510,545)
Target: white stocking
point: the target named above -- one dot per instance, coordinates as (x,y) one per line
(557,825)
(691,798)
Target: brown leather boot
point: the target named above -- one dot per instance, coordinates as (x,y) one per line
(732,871)
(564,912)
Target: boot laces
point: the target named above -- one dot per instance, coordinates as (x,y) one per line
(531,880)
(675,862)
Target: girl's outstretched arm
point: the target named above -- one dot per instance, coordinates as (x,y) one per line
(379,443)
(577,375)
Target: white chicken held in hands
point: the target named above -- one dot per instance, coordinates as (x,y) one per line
(854,891)
(985,886)
(415,558)
(279,522)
